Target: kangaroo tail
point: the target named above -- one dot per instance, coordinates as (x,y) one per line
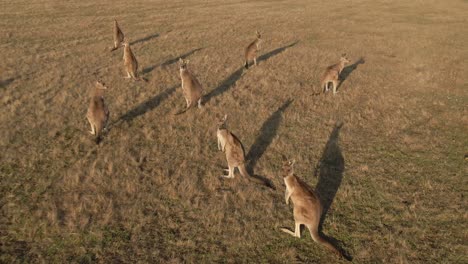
(184,110)
(246,65)
(319,239)
(98,138)
(243,171)
(137,77)
(181,112)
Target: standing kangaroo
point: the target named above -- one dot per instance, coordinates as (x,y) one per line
(191,87)
(98,113)
(307,206)
(130,62)
(332,73)
(231,145)
(251,50)
(118,36)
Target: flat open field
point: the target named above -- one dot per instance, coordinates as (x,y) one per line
(393,179)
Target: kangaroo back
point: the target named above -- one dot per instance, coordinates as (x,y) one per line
(98,113)
(118,36)
(99,128)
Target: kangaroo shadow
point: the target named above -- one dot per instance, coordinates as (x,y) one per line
(183,56)
(235,76)
(6,82)
(348,70)
(147,105)
(147,38)
(171,61)
(272,53)
(267,134)
(225,85)
(330,169)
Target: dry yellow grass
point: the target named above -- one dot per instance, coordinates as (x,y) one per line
(393,178)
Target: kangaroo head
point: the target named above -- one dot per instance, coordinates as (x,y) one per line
(344,59)
(288,167)
(100,85)
(183,64)
(99,89)
(125,42)
(257,33)
(222,122)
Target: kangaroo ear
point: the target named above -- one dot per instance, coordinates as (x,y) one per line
(186,61)
(225,118)
(292,162)
(101,85)
(181,61)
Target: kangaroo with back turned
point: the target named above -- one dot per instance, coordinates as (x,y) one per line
(98,113)
(332,74)
(307,207)
(118,36)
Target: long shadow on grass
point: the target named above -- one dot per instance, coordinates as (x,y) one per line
(171,61)
(235,76)
(277,51)
(330,169)
(348,70)
(147,38)
(225,85)
(267,134)
(147,105)
(6,82)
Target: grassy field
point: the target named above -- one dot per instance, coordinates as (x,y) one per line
(393,179)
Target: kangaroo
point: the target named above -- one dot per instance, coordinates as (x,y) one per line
(307,206)
(251,50)
(332,74)
(130,62)
(98,113)
(118,36)
(191,87)
(231,145)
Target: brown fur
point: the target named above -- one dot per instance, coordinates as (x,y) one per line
(251,50)
(118,36)
(231,145)
(130,62)
(191,87)
(98,113)
(332,74)
(307,207)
